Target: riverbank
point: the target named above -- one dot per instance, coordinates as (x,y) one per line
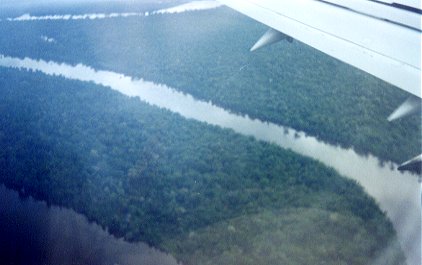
(34,233)
(233,173)
(289,84)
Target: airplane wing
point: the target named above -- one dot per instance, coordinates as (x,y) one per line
(380,37)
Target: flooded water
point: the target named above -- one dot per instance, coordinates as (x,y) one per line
(397,194)
(33,233)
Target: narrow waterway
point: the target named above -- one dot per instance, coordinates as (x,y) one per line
(185,7)
(396,193)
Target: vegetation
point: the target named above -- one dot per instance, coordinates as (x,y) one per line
(191,189)
(280,237)
(288,83)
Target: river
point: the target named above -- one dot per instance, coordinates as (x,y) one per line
(33,233)
(398,194)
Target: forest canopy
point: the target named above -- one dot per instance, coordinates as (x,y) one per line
(289,84)
(197,191)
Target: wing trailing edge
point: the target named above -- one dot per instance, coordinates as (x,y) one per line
(386,46)
(380,37)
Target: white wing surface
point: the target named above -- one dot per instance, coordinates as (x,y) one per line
(380,37)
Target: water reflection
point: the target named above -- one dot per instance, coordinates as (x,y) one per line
(397,194)
(33,233)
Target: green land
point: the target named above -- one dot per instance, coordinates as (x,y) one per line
(204,194)
(288,83)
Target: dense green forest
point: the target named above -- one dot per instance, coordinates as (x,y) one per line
(206,54)
(205,194)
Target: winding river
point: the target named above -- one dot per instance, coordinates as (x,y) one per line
(397,193)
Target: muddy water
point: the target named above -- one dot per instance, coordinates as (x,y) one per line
(398,194)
